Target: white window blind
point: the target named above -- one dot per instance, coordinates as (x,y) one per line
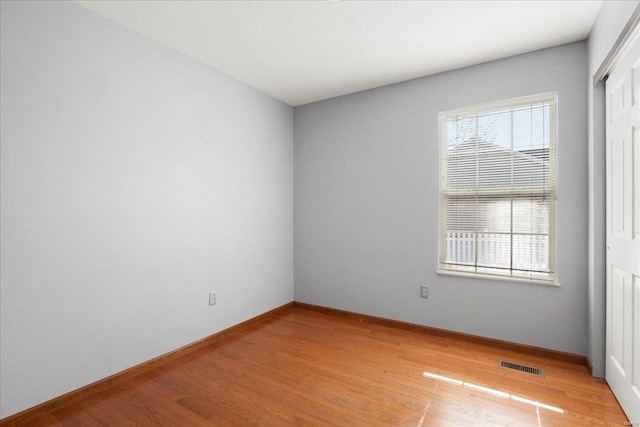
(498,189)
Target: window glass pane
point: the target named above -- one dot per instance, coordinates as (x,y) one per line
(494,250)
(461,248)
(496,128)
(531,215)
(494,166)
(460,214)
(494,214)
(531,253)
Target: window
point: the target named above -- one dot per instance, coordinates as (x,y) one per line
(498,189)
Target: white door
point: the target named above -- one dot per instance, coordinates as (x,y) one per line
(623,228)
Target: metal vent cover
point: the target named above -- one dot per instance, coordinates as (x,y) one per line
(521,368)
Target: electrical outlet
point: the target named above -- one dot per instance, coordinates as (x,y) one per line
(424,292)
(212,298)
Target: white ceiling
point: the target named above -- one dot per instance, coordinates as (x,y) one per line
(305,51)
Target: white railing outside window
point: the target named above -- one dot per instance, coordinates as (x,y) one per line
(494,251)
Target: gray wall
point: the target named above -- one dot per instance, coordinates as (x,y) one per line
(366,204)
(134,181)
(611,20)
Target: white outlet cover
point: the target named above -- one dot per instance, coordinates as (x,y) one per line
(424,292)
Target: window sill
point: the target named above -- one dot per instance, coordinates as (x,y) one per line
(553,284)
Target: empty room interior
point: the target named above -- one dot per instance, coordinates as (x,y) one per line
(421,213)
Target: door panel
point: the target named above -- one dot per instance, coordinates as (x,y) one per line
(635,383)
(616,97)
(617,186)
(635,146)
(635,78)
(617,317)
(623,229)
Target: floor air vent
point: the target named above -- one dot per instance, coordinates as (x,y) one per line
(521,368)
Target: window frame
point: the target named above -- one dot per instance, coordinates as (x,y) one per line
(479,109)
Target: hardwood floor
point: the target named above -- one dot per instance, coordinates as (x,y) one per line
(302,367)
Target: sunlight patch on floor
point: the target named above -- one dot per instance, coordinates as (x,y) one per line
(493,392)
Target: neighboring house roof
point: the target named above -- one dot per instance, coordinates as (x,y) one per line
(479,164)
